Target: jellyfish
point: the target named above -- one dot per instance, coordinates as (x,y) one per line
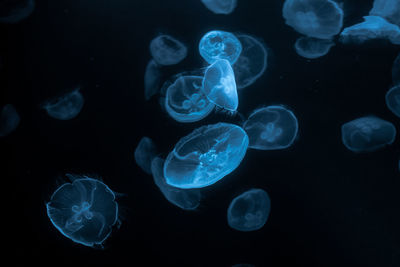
(186,199)
(271,128)
(393,100)
(396,70)
(166,50)
(367,134)
(312,48)
(251,63)
(205,156)
(84,211)
(14,11)
(219,85)
(387,9)
(152,78)
(220,6)
(9,120)
(185,101)
(145,152)
(249,211)
(216,45)
(65,107)
(321,19)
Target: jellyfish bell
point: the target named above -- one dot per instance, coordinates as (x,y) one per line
(166,50)
(145,152)
(65,107)
(312,48)
(220,6)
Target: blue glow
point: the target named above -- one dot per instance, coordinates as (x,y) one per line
(312,48)
(387,9)
(249,211)
(367,134)
(9,120)
(166,50)
(219,85)
(65,107)
(13,11)
(216,45)
(393,100)
(205,156)
(84,211)
(396,70)
(152,78)
(145,152)
(220,6)
(271,128)
(185,101)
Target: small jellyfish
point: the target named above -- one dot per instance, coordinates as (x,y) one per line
(152,78)
(216,45)
(65,107)
(220,6)
(166,50)
(271,128)
(249,211)
(84,211)
(9,120)
(13,11)
(321,19)
(393,100)
(312,48)
(186,199)
(367,134)
(387,9)
(219,85)
(205,156)
(396,70)
(145,152)
(185,101)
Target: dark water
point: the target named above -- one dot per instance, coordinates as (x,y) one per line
(330,207)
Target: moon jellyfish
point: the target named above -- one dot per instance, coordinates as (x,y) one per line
(387,9)
(205,156)
(249,211)
(9,120)
(185,100)
(145,152)
(219,85)
(216,45)
(393,100)
(312,48)
(220,6)
(152,77)
(13,11)
(321,19)
(65,107)
(271,128)
(166,50)
(187,199)
(84,211)
(367,134)
(251,63)
(396,70)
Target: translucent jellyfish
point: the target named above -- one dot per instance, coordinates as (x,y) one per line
(367,134)
(251,63)
(312,48)
(13,11)
(321,19)
(387,9)
(84,211)
(152,78)
(219,85)
(166,50)
(216,45)
(187,199)
(65,107)
(393,100)
(185,100)
(145,152)
(9,120)
(206,155)
(249,211)
(220,6)
(271,128)
(396,70)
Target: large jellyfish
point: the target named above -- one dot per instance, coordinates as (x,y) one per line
(393,100)
(219,85)
(84,211)
(312,48)
(367,134)
(9,120)
(65,107)
(388,9)
(152,78)
(321,19)
(166,50)
(145,152)
(271,128)
(185,101)
(13,11)
(249,211)
(206,155)
(396,70)
(216,45)
(220,6)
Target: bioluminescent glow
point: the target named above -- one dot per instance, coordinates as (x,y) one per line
(145,152)
(396,70)
(393,100)
(9,120)
(13,11)
(65,107)
(312,48)
(152,78)
(166,50)
(387,9)
(220,6)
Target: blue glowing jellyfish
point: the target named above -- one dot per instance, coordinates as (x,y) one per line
(145,152)
(9,120)
(396,70)
(271,128)
(152,78)
(249,211)
(65,107)
(219,85)
(166,50)
(206,155)
(321,19)
(393,100)
(216,45)
(185,101)
(220,6)
(367,134)
(251,63)
(387,9)
(13,11)
(84,211)
(312,48)
(187,199)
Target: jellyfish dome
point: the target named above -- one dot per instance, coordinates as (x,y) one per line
(249,211)
(396,70)
(312,48)
(152,78)
(216,45)
(166,50)
(387,9)
(84,211)
(65,107)
(205,156)
(321,19)
(9,120)
(271,128)
(219,85)
(14,11)
(145,152)
(220,6)
(393,100)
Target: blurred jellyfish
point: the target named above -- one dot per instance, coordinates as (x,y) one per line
(396,70)
(220,6)
(312,48)
(152,77)
(187,199)
(216,45)
(13,11)
(166,50)
(206,155)
(367,134)
(84,211)
(251,63)
(321,19)
(9,120)
(65,107)
(185,101)
(219,85)
(145,152)
(393,100)
(249,211)
(271,128)
(387,9)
